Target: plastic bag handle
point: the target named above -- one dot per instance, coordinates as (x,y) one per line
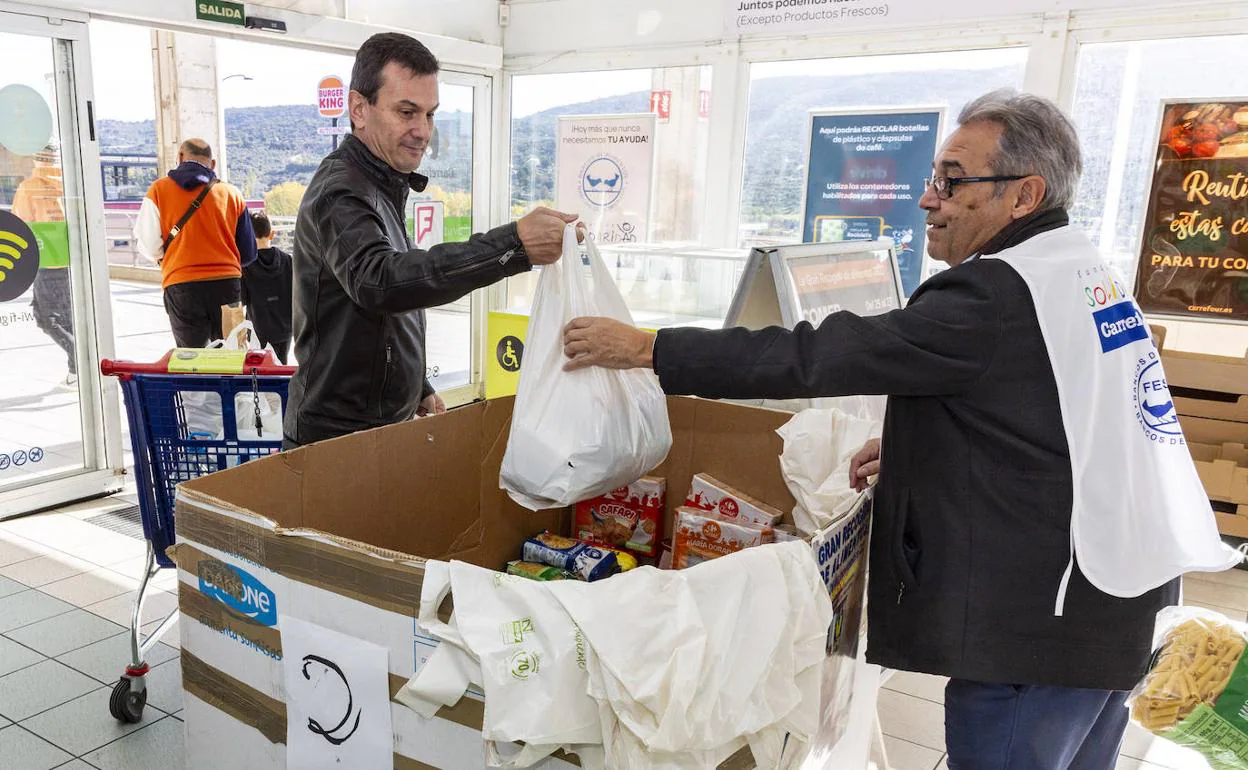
(606,300)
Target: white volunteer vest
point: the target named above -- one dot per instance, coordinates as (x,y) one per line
(1140,516)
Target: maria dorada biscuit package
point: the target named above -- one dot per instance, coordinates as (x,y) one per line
(629,518)
(703,535)
(1195,693)
(710,494)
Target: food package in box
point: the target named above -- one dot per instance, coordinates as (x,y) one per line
(1195,690)
(703,535)
(580,559)
(709,494)
(629,518)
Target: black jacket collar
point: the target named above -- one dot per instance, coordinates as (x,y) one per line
(390,180)
(1024,229)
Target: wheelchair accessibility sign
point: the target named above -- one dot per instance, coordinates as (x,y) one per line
(509,352)
(506,332)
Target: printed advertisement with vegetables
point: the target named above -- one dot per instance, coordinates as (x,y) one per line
(1194,251)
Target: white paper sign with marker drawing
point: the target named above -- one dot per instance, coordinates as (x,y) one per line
(337,700)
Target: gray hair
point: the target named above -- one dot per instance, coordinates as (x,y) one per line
(1037,138)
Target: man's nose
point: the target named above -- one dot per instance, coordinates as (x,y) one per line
(929,200)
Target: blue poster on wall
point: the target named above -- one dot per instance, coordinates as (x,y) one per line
(864,178)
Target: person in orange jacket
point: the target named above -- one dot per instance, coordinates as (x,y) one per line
(40,201)
(201,260)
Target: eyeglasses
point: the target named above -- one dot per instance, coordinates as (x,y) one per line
(943,185)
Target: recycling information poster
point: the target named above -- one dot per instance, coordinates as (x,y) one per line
(864,179)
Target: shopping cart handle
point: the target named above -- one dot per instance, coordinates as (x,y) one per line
(258,362)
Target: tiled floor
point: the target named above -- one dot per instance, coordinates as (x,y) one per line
(66,592)
(66,588)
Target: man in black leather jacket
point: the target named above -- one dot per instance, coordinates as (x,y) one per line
(360,288)
(972,517)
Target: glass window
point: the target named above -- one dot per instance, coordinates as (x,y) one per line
(272,128)
(1118,93)
(662,279)
(41,350)
(125,119)
(448,164)
(782,94)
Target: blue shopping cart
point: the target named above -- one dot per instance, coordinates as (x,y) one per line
(191,413)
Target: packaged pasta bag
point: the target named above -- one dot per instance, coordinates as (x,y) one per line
(1196,690)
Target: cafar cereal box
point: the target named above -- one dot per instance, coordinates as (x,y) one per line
(629,518)
(708,494)
(702,535)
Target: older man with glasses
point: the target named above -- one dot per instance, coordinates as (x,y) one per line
(1027,529)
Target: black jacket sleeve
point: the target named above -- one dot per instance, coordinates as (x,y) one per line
(940,344)
(245,238)
(381,279)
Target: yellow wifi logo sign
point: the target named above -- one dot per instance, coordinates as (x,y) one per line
(9,251)
(19,257)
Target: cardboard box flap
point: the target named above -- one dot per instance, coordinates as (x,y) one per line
(1202,430)
(269,489)
(1204,372)
(1210,404)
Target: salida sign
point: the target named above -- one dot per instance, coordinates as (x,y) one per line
(331,97)
(220,11)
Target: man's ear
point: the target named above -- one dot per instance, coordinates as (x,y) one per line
(356,104)
(1029,196)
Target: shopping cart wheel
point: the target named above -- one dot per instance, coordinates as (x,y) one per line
(126,705)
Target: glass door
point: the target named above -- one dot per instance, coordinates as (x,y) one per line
(457,165)
(54,427)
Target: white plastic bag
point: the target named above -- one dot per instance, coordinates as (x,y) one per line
(230,342)
(269,408)
(818,447)
(509,635)
(577,435)
(204,411)
(688,666)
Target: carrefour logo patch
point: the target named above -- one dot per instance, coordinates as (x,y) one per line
(1117,319)
(239,591)
(1119,325)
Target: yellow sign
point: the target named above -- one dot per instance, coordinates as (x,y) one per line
(505,353)
(207,361)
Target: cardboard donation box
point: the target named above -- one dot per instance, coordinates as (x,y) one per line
(300,579)
(1211,400)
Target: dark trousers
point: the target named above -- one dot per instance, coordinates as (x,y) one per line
(281,348)
(194,310)
(1027,727)
(53,308)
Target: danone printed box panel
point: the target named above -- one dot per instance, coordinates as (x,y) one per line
(300,577)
